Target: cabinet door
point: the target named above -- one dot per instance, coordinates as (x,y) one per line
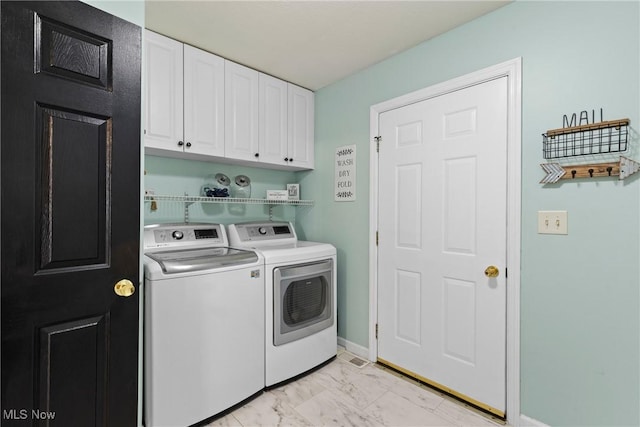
(301,137)
(273,120)
(241,112)
(203,102)
(164,93)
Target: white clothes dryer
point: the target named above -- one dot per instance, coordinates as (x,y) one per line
(300,297)
(204,323)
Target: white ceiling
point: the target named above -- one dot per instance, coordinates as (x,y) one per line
(312,43)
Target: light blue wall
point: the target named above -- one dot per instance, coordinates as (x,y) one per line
(580,293)
(132,10)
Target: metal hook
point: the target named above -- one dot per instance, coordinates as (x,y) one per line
(591,173)
(609,170)
(573,173)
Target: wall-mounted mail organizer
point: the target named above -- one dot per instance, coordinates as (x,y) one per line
(596,138)
(589,139)
(555,172)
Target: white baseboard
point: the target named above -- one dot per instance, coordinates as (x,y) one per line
(530,422)
(356,349)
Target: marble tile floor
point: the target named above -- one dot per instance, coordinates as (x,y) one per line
(342,394)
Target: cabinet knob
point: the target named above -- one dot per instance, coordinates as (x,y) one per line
(291,159)
(188,144)
(180,143)
(257,154)
(286,159)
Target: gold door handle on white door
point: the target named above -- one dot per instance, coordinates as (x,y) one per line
(491,271)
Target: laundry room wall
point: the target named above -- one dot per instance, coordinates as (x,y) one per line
(580,299)
(132,11)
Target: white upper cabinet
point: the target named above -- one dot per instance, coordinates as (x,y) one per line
(203,102)
(202,106)
(286,124)
(185,99)
(164,92)
(273,120)
(241,112)
(300,127)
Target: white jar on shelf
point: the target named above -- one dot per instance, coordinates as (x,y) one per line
(241,187)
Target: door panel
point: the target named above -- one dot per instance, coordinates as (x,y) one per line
(408,202)
(459,325)
(444,162)
(58,345)
(76,165)
(407,306)
(64,51)
(70,167)
(460,200)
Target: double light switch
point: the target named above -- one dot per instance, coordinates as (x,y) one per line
(552,222)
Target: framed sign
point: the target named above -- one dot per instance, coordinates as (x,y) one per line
(294,191)
(345,174)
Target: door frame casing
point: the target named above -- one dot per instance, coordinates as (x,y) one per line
(511,69)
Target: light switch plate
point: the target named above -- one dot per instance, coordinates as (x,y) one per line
(552,222)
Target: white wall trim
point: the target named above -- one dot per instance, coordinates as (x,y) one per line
(530,422)
(354,348)
(513,71)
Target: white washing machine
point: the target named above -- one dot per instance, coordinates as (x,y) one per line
(204,323)
(300,297)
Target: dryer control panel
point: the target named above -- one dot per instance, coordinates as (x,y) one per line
(273,232)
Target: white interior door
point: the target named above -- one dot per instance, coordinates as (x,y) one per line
(442,222)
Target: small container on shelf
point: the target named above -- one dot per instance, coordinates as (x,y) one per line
(216,186)
(241,187)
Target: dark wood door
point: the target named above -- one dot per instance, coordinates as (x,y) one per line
(70,164)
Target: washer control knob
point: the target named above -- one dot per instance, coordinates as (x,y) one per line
(177,234)
(262,230)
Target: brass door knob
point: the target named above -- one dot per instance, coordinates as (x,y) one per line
(124,288)
(491,271)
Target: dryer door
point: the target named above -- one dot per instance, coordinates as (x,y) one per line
(303,300)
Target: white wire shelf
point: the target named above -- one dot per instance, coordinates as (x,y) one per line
(224,200)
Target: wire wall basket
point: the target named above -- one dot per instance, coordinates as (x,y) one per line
(597,138)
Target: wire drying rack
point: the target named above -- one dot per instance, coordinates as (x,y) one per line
(225,200)
(187,201)
(597,138)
